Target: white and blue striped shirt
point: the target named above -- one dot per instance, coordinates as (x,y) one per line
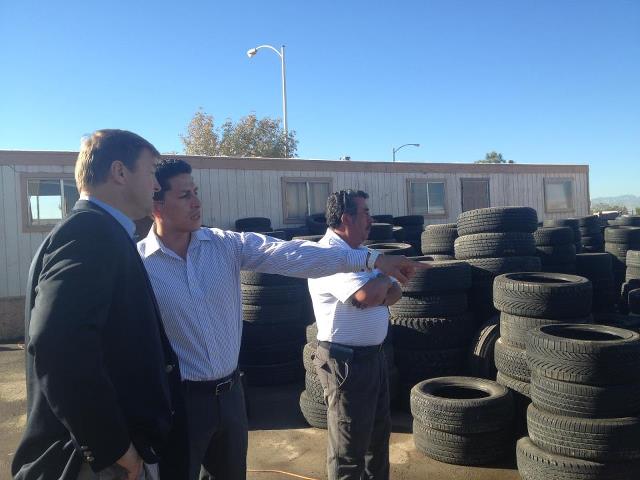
(200,297)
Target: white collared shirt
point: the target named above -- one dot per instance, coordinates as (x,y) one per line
(200,297)
(338,320)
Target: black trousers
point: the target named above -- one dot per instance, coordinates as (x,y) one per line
(217,433)
(356,391)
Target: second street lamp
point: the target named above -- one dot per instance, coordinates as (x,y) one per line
(402,146)
(251,53)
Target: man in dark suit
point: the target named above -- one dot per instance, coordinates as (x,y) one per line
(103,384)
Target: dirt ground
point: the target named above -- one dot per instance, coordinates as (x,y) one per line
(281,444)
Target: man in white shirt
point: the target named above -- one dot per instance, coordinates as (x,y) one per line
(352,316)
(195,274)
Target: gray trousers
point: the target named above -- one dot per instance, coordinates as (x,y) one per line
(356,391)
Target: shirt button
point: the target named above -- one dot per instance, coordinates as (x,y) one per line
(168,368)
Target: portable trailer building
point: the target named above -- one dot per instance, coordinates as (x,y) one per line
(37,189)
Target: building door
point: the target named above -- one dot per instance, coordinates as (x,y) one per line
(475,193)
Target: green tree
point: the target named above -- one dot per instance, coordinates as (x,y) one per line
(249,137)
(494,157)
(605,207)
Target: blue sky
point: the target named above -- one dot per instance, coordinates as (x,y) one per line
(542,81)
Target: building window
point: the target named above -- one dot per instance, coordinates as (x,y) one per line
(47,200)
(427,197)
(558,195)
(303,197)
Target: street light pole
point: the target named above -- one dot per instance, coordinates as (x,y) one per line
(280,53)
(402,146)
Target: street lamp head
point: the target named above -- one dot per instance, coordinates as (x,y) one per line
(252,52)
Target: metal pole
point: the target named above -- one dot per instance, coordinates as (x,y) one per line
(284,104)
(394,155)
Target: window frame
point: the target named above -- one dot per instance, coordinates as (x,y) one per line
(556,181)
(27,227)
(410,208)
(286,180)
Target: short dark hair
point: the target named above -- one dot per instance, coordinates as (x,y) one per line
(340,203)
(167,169)
(103,147)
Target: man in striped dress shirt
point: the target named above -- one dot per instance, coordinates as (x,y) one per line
(195,274)
(352,316)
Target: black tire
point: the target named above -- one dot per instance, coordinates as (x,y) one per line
(270,353)
(556,255)
(565,268)
(498,220)
(489,268)
(431,333)
(440,277)
(601,440)
(435,257)
(309,238)
(392,248)
(273,294)
(277,234)
(276,374)
(313,412)
(542,295)
(626,235)
(491,245)
(632,273)
(317,224)
(258,334)
(629,220)
(535,463)
(481,358)
(591,354)
(633,258)
(462,405)
(585,401)
(439,238)
(257,278)
(571,223)
(456,449)
(442,305)
(512,361)
(634,301)
(253,224)
(553,236)
(417,365)
(595,239)
(383,218)
(381,231)
(518,386)
(593,264)
(629,322)
(514,328)
(292,313)
(409,221)
(399,234)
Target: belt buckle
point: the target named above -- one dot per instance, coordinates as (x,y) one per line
(222,387)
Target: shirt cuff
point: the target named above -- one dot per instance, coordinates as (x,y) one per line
(356,260)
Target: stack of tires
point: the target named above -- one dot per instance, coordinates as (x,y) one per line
(618,241)
(316,224)
(380,233)
(253,224)
(462,420)
(412,227)
(392,248)
(529,300)
(583,422)
(275,314)
(438,239)
(572,223)
(312,404)
(431,325)
(495,241)
(627,221)
(598,268)
(631,279)
(555,247)
(591,237)
(634,302)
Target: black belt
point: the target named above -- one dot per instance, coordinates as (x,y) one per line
(347,351)
(216,387)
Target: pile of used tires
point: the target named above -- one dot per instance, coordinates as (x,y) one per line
(556,249)
(398,231)
(529,300)
(572,223)
(438,239)
(618,241)
(380,233)
(626,221)
(462,420)
(412,227)
(598,268)
(275,312)
(431,324)
(494,241)
(591,237)
(584,420)
(312,404)
(631,279)
(263,225)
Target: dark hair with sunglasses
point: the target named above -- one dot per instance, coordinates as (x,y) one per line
(342,202)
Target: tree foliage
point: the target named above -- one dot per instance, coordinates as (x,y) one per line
(249,137)
(606,207)
(494,157)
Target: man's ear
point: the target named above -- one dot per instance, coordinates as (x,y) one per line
(117,172)
(345,218)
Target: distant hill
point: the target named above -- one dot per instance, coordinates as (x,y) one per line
(630,201)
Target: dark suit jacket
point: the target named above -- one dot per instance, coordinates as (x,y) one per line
(100,370)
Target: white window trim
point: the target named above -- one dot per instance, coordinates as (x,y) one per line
(27,227)
(307,180)
(427,180)
(559,180)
